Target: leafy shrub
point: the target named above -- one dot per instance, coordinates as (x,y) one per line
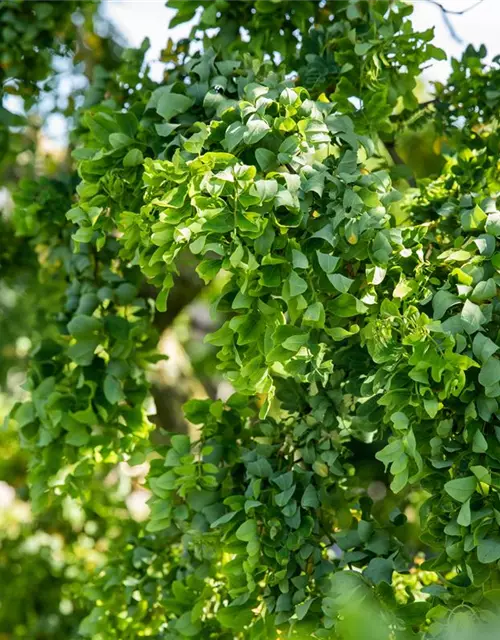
(359,328)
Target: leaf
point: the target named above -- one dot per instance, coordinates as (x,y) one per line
(327,262)
(400,481)
(82,326)
(112,390)
(490,372)
(288,97)
(442,301)
(265,189)
(78,435)
(172,104)
(488,550)
(479,444)
(375,275)
(133,158)
(186,626)
(234,135)
(348,163)
(481,473)
(340,282)
(461,489)
(346,305)
(235,618)
(339,333)
(402,289)
(294,343)
(314,315)
(247,531)
(265,159)
(260,468)
(296,284)
(483,348)
(379,570)
(181,444)
(464,516)
(472,317)
(83,234)
(473,219)
(227,517)
(484,290)
(302,609)
(82,353)
(299,260)
(207,270)
(256,130)
(492,225)
(119,140)
(284,497)
(310,497)
(400,420)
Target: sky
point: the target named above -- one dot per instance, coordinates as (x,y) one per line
(137,19)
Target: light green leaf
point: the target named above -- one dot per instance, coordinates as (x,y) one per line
(234,135)
(265,189)
(296,284)
(340,282)
(464,517)
(256,130)
(473,219)
(400,420)
(172,104)
(247,531)
(479,443)
(133,158)
(481,473)
(299,260)
(294,343)
(461,489)
(492,225)
(472,317)
(327,262)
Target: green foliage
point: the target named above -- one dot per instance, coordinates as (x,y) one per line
(359,328)
(25,27)
(45,561)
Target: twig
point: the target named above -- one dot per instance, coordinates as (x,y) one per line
(451,12)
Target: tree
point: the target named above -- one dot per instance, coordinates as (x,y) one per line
(354,286)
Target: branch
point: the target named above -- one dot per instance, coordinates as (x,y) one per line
(396,158)
(187,285)
(174,382)
(450,12)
